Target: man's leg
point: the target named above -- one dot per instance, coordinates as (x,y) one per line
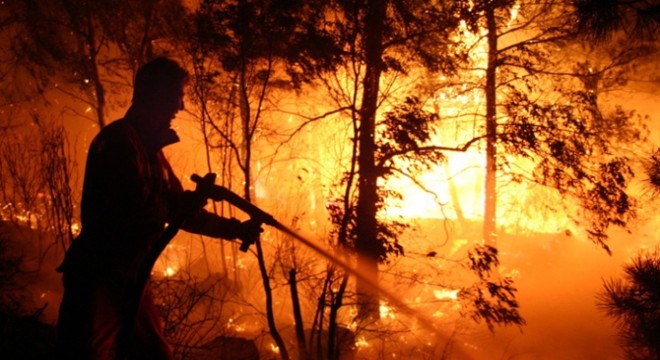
(89,318)
(149,341)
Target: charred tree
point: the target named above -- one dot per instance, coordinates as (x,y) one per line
(382,39)
(366,242)
(490,186)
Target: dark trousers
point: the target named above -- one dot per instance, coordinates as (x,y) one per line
(92,316)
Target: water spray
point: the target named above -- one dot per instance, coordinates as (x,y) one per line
(207,187)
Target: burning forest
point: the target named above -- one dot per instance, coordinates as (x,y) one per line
(434,179)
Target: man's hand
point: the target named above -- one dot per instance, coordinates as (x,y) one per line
(191,203)
(249,232)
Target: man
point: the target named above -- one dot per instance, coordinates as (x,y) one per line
(129,195)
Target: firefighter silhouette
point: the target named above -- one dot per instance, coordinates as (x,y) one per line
(129,195)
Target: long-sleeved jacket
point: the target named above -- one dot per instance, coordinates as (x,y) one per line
(129,194)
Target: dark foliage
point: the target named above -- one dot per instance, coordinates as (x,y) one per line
(22,335)
(634,303)
(572,145)
(252,35)
(403,146)
(387,233)
(599,19)
(493,298)
(190,307)
(25,337)
(652,170)
(10,290)
(402,149)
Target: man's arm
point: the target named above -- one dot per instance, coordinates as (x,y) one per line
(208,224)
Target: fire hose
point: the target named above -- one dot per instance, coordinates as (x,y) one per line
(220,193)
(206,188)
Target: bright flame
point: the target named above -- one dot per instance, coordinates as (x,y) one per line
(446,294)
(455,189)
(462,174)
(361,342)
(515,10)
(75,228)
(385,311)
(352,326)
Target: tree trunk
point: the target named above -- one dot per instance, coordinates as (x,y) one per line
(490,188)
(334,351)
(91,46)
(367,226)
(303,354)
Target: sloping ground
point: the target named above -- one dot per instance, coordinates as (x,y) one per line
(33,280)
(25,293)
(25,337)
(557,277)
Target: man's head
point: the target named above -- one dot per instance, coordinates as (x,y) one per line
(158,91)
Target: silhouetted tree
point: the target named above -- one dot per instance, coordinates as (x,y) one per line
(36,175)
(382,39)
(634,303)
(261,47)
(599,19)
(81,47)
(545,108)
(494,298)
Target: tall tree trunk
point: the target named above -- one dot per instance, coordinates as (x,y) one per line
(245,111)
(490,188)
(367,226)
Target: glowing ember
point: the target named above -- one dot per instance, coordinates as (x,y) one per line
(169,271)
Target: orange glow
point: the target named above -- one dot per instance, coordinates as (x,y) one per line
(294,180)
